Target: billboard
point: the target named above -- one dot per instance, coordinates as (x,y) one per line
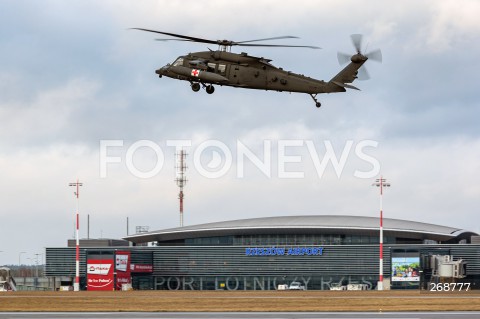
(122,267)
(405,269)
(143,268)
(100,274)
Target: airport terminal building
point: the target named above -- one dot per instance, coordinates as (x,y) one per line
(319,251)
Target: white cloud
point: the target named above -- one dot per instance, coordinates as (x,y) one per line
(448,26)
(47,116)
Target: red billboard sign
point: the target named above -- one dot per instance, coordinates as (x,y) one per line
(141,268)
(122,266)
(100,274)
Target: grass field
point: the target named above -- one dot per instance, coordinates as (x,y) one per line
(240,301)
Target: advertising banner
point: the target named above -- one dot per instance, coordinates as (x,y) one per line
(122,266)
(405,268)
(141,268)
(100,274)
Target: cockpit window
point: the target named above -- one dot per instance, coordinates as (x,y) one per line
(178,62)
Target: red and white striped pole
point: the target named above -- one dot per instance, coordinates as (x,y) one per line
(76,284)
(381,182)
(181,180)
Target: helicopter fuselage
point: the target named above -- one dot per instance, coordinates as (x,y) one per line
(242,70)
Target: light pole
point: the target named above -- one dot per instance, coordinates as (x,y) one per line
(381,182)
(76,285)
(36,265)
(36,261)
(29,272)
(20,256)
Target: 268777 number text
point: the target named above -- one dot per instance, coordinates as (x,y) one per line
(449,287)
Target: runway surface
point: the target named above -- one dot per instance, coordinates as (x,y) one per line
(241,315)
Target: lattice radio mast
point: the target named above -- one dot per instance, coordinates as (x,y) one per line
(181,179)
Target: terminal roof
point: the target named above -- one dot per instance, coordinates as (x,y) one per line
(311,224)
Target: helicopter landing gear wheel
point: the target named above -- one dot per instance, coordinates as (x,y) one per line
(314,97)
(195,87)
(210,89)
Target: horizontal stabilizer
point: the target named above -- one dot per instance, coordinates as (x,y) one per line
(347,86)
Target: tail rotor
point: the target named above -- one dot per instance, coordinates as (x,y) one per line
(375,55)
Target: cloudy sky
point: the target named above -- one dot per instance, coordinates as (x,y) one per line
(73,75)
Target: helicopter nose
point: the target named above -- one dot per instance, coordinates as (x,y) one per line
(161,71)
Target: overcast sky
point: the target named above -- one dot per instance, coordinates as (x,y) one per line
(73,74)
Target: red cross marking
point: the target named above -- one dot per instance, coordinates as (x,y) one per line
(195,72)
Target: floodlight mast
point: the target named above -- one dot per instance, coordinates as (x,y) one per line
(76,284)
(381,182)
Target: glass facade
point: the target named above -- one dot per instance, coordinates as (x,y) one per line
(287,239)
(230,267)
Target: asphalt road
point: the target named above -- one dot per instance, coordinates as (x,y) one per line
(242,315)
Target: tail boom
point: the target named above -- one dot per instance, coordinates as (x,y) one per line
(341,81)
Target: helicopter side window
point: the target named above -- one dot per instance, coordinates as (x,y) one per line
(178,62)
(211,67)
(221,69)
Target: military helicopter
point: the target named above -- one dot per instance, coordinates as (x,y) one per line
(222,67)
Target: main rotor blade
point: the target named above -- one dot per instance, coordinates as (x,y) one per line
(357,41)
(267,39)
(226,42)
(179,36)
(375,55)
(343,58)
(174,40)
(276,46)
